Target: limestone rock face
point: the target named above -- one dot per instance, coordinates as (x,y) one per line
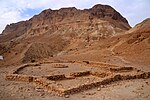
(50,21)
(105,11)
(53,31)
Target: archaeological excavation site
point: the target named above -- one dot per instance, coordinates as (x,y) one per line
(65,78)
(75,54)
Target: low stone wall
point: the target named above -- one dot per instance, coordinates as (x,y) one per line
(43,82)
(23,66)
(100,64)
(121,69)
(49,86)
(55,77)
(78,74)
(82,87)
(60,66)
(126,77)
(16,77)
(102,75)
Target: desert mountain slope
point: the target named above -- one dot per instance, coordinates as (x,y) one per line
(97,38)
(53,20)
(142,27)
(53,32)
(136,47)
(130,48)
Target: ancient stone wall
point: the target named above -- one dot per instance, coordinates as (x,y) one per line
(17,77)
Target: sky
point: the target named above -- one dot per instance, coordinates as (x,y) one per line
(12,11)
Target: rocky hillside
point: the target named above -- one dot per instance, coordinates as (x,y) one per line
(69,20)
(132,48)
(56,32)
(136,45)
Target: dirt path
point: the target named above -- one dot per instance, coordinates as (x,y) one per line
(25,50)
(119,57)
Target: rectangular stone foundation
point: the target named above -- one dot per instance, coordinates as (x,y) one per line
(49,83)
(49,86)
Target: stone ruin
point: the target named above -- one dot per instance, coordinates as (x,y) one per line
(49,82)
